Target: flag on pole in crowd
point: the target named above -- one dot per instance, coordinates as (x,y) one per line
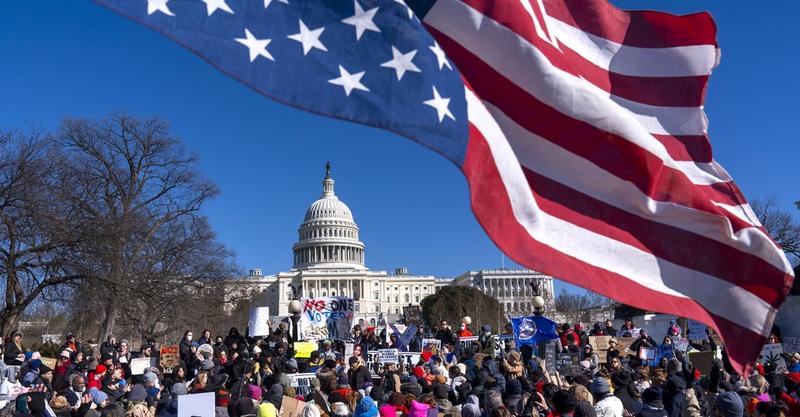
(579,127)
(530,330)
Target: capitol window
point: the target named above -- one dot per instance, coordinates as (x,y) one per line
(407,298)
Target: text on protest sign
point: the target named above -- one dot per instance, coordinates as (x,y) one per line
(568,364)
(696,330)
(387,356)
(599,342)
(327,318)
(301,382)
(431,345)
(681,344)
(404,359)
(624,344)
(196,405)
(791,344)
(168,358)
(138,365)
(634,333)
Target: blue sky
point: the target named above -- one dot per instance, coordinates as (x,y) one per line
(75,58)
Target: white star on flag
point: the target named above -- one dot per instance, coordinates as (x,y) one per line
(401,62)
(158,6)
(257,47)
(440,104)
(410,13)
(440,55)
(349,81)
(309,38)
(362,20)
(267,2)
(213,5)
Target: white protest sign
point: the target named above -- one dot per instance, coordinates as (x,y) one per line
(772,353)
(301,382)
(634,333)
(467,341)
(327,318)
(138,365)
(196,405)
(387,356)
(696,330)
(258,324)
(680,343)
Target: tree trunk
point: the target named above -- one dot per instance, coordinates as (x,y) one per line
(107,326)
(8,322)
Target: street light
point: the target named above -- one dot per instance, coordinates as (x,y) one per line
(537,301)
(295,307)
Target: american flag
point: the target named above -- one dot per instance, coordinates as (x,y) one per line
(580,129)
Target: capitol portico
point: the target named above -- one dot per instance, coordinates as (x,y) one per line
(329,260)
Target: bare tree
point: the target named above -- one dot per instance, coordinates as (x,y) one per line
(781,225)
(133,182)
(577,307)
(38,225)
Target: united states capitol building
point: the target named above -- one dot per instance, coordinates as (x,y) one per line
(329,260)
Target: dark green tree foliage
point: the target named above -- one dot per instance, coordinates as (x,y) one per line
(452,303)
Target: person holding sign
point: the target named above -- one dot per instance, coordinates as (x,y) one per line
(643,341)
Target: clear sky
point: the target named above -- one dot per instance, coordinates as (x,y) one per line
(75,58)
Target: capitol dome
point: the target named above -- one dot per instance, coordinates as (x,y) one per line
(328,236)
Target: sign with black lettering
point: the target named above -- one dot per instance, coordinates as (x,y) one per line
(568,364)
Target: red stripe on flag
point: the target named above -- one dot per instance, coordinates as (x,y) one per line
(490,203)
(641,28)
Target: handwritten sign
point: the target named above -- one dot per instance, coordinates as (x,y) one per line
(139,365)
(550,357)
(696,330)
(568,364)
(599,342)
(624,344)
(681,344)
(327,318)
(413,314)
(791,344)
(169,358)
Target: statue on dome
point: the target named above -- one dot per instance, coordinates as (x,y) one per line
(328,169)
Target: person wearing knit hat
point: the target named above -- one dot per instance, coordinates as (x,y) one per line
(339,409)
(652,404)
(366,408)
(418,409)
(137,393)
(584,409)
(606,404)
(99,398)
(310,410)
(267,409)
(729,404)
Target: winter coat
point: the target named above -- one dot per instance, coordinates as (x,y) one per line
(650,411)
(11,352)
(609,406)
(358,377)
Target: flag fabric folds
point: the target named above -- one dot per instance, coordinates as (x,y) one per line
(579,127)
(530,330)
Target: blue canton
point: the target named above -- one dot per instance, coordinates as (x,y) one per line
(367,61)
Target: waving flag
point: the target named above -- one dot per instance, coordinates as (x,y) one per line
(579,128)
(530,330)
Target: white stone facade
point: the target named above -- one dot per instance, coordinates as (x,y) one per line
(329,260)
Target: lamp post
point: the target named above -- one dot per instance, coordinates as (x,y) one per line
(537,301)
(294,309)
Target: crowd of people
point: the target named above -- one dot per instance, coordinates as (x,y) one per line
(253,377)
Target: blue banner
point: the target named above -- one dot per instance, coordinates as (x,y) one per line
(530,330)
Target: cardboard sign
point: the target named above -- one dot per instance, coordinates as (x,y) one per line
(50,362)
(599,342)
(681,344)
(387,356)
(772,353)
(624,344)
(169,357)
(301,382)
(431,345)
(302,350)
(568,364)
(702,361)
(139,365)
(696,330)
(291,407)
(327,318)
(602,356)
(791,344)
(196,405)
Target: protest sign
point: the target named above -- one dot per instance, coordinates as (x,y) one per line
(696,330)
(196,405)
(348,349)
(138,365)
(327,318)
(387,356)
(648,354)
(50,362)
(634,333)
(409,359)
(681,344)
(412,314)
(431,345)
(291,407)
(791,344)
(599,342)
(467,341)
(624,344)
(301,382)
(258,325)
(772,353)
(664,351)
(550,357)
(302,350)
(169,358)
(702,361)
(568,364)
